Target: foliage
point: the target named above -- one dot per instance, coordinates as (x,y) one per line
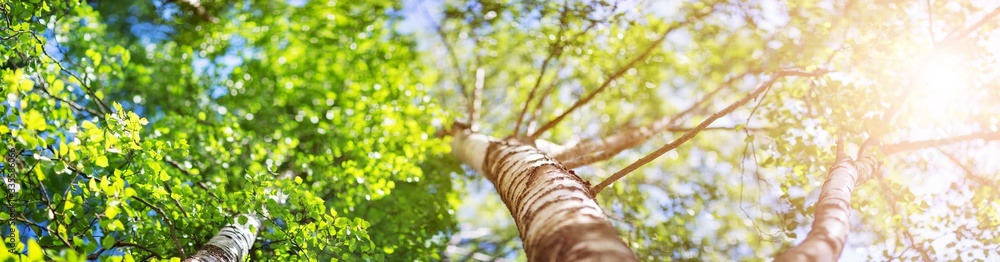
(746,190)
(138,129)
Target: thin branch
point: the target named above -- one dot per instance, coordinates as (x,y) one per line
(539,103)
(554,51)
(531,94)
(962,33)
(968,171)
(615,144)
(118,244)
(25,220)
(905,229)
(177,165)
(176,202)
(170,224)
(74,105)
(452,57)
(621,71)
(704,124)
(915,145)
(105,109)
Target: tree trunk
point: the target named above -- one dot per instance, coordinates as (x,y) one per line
(831,225)
(231,244)
(555,214)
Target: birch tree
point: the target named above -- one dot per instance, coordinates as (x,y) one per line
(144,130)
(608,88)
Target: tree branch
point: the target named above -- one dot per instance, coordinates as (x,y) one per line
(86,87)
(452,57)
(903,228)
(73,105)
(704,124)
(967,170)
(118,244)
(962,33)
(621,71)
(539,103)
(554,51)
(173,234)
(915,145)
(632,137)
(200,184)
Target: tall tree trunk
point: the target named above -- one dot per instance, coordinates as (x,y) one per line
(832,225)
(231,244)
(553,209)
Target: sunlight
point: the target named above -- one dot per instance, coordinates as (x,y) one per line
(942,86)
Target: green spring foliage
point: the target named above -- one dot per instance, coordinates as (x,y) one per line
(137,130)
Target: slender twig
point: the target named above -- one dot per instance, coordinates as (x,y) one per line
(962,33)
(86,86)
(170,224)
(905,230)
(48,203)
(118,244)
(704,124)
(914,145)
(621,71)
(554,51)
(540,103)
(615,144)
(452,57)
(25,220)
(176,202)
(968,171)
(178,166)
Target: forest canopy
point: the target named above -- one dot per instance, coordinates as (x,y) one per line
(474,130)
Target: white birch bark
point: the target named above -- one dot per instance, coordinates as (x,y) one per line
(231,244)
(831,226)
(555,214)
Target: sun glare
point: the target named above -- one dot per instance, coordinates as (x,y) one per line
(942,85)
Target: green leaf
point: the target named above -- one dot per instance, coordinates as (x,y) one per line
(25,85)
(57,86)
(101,161)
(88,125)
(111,211)
(34,121)
(107,242)
(341,222)
(34,251)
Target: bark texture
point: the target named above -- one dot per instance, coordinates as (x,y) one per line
(831,226)
(553,209)
(231,244)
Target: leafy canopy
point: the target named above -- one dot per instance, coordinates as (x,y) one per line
(136,130)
